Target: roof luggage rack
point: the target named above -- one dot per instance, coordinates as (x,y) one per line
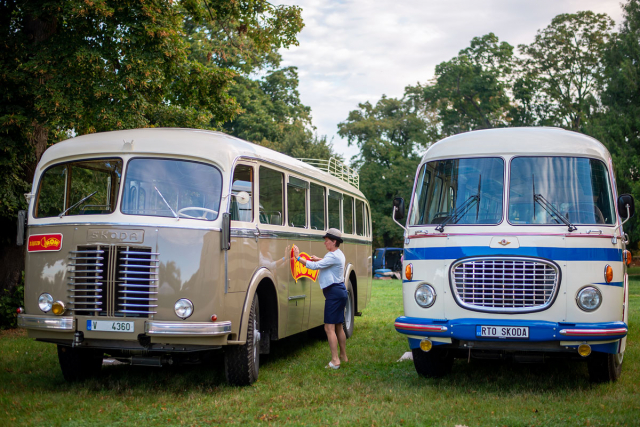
(336,168)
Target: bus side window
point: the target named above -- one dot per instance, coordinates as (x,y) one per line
(240,208)
(297,202)
(271,196)
(359,217)
(347,214)
(367,220)
(334,209)
(316,204)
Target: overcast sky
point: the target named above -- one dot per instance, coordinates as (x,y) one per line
(353,51)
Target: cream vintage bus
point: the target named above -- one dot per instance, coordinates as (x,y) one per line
(157,246)
(514,248)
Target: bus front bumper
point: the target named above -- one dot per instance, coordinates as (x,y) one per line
(605,336)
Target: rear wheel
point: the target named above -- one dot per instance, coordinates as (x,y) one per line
(242,362)
(78,364)
(349,312)
(433,364)
(604,367)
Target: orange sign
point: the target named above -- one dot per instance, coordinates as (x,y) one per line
(45,242)
(298,270)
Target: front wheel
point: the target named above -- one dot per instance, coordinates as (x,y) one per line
(604,367)
(349,312)
(433,364)
(78,364)
(242,362)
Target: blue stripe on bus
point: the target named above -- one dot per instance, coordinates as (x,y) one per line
(556,254)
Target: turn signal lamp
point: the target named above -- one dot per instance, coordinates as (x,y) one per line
(584,350)
(426,345)
(58,308)
(608,273)
(214,317)
(20,310)
(627,258)
(408,271)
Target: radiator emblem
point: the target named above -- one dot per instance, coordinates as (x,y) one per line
(504,242)
(111,235)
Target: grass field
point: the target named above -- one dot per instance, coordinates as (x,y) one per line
(294,388)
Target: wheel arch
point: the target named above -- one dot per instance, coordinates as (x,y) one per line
(263,284)
(352,277)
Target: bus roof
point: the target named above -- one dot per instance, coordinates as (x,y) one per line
(217,147)
(514,141)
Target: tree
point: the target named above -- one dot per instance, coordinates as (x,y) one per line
(562,71)
(78,67)
(388,135)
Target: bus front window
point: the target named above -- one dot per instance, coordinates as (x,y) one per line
(459,191)
(550,190)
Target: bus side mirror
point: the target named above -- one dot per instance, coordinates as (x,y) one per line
(626,206)
(22,225)
(225,234)
(398,212)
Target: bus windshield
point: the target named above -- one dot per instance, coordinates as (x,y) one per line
(459,191)
(544,188)
(173,188)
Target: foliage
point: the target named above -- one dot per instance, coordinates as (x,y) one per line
(561,74)
(10,300)
(388,135)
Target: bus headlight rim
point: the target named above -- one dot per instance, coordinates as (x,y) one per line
(425,295)
(45,302)
(586,294)
(183,308)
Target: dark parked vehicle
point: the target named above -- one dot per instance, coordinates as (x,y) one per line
(387,258)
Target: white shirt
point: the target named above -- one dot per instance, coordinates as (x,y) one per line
(331,268)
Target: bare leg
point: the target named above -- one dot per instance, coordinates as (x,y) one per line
(333,342)
(342,340)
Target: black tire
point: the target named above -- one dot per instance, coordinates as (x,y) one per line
(78,364)
(433,364)
(242,362)
(604,367)
(349,312)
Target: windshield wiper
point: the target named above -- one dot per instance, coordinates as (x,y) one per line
(167,203)
(553,211)
(460,212)
(80,202)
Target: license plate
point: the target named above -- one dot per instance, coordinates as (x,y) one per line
(521,332)
(109,326)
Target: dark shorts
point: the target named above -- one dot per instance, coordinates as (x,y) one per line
(335,301)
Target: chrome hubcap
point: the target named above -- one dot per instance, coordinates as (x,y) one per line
(347,312)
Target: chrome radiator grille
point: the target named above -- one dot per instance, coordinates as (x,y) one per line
(507,285)
(110,280)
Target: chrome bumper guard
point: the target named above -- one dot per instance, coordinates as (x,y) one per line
(183,328)
(47,323)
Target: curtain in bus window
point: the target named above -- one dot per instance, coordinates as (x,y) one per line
(271,196)
(297,202)
(334,209)
(242,183)
(347,214)
(459,191)
(316,204)
(359,217)
(541,188)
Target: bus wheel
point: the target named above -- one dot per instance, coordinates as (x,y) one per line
(433,364)
(242,362)
(78,364)
(604,367)
(349,312)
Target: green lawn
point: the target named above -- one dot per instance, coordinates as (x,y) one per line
(294,388)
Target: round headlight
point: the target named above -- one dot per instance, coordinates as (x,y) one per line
(183,308)
(589,298)
(45,301)
(425,295)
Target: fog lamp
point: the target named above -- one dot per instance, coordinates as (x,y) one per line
(589,298)
(58,308)
(426,345)
(183,308)
(425,295)
(608,273)
(584,350)
(45,301)
(408,271)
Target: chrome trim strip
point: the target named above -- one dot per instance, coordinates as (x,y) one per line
(296,297)
(121,224)
(593,332)
(48,323)
(184,328)
(418,327)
